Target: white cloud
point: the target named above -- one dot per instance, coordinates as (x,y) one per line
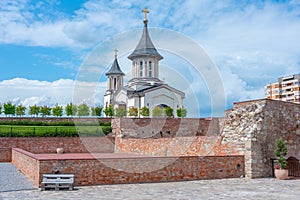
(30,92)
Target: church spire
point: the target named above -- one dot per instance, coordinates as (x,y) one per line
(145,46)
(115,68)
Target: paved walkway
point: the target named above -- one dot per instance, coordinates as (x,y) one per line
(11,179)
(250,189)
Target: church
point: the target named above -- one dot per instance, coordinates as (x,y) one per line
(145,88)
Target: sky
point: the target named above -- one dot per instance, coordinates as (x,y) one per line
(45,45)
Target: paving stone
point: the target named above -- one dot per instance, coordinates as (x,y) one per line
(11,179)
(250,189)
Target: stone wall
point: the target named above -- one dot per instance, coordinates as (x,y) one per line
(49,145)
(255,126)
(132,170)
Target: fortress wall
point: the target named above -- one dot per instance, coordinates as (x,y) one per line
(255,126)
(122,170)
(170,137)
(49,145)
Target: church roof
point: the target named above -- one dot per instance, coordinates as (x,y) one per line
(145,46)
(115,69)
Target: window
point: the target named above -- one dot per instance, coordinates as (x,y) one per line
(141,69)
(150,69)
(115,83)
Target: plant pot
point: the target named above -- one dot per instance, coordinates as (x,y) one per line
(60,150)
(281,174)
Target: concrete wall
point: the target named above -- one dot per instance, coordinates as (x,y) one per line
(49,145)
(132,170)
(255,126)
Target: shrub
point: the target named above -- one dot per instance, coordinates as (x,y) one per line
(133,111)
(157,112)
(281,152)
(121,112)
(145,111)
(181,112)
(169,111)
(109,111)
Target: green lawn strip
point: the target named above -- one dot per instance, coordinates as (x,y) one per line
(53,131)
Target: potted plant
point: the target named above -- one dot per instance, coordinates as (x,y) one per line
(281,171)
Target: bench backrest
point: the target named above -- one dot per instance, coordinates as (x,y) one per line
(58,178)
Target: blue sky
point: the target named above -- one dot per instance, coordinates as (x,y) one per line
(44,43)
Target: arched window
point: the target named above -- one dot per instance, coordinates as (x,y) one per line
(150,69)
(141,68)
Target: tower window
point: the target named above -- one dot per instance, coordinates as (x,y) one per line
(141,69)
(150,69)
(115,83)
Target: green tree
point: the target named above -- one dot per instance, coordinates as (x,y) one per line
(96,111)
(71,109)
(0,109)
(144,111)
(157,112)
(34,110)
(133,111)
(121,112)
(83,110)
(45,110)
(169,111)
(281,152)
(57,110)
(181,112)
(109,111)
(20,110)
(9,108)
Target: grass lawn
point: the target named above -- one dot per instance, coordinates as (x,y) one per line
(53,131)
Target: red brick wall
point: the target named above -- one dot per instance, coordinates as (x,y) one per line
(136,170)
(49,145)
(24,161)
(178,146)
(165,127)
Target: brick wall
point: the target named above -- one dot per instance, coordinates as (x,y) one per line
(49,145)
(134,170)
(177,146)
(165,127)
(27,164)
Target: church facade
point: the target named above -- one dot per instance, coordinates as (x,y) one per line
(145,88)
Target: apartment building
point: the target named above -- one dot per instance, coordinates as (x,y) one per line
(286,89)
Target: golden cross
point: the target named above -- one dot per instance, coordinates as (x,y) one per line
(116,53)
(145,11)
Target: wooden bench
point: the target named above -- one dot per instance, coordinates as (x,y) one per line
(57,181)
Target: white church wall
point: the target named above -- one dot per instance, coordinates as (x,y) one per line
(121,96)
(163,96)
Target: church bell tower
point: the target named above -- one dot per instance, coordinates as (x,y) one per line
(114,82)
